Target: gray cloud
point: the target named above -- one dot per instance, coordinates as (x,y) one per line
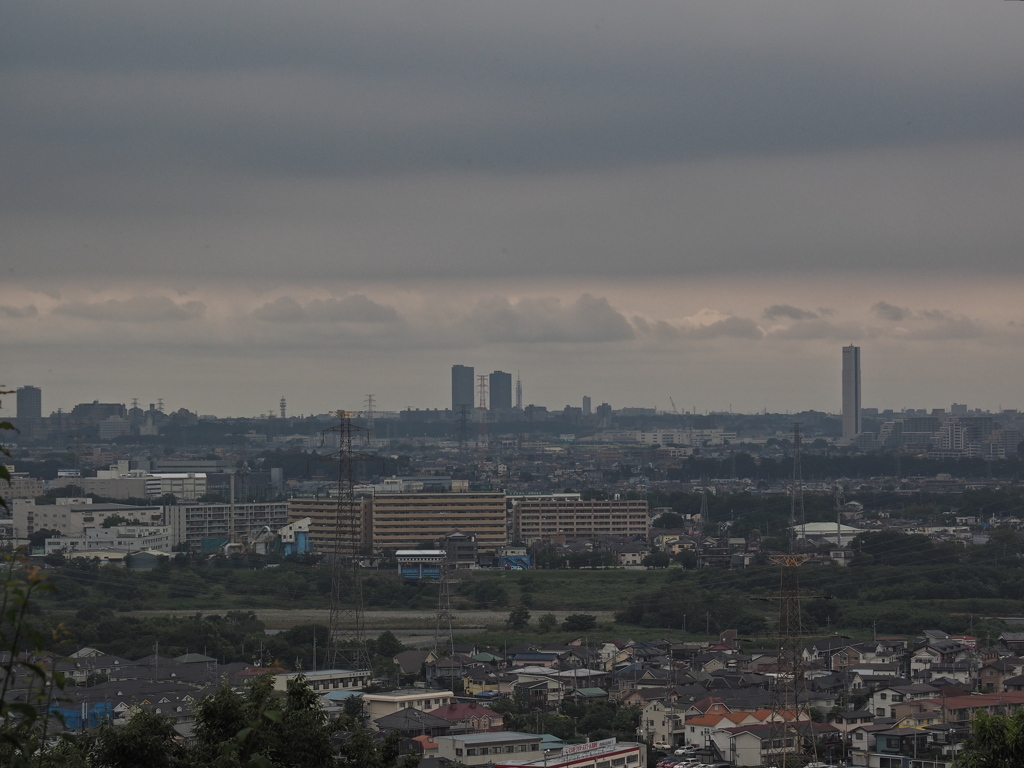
(787,311)
(735,327)
(355,308)
(589,319)
(359,138)
(823,329)
(13,312)
(727,327)
(891,312)
(139,309)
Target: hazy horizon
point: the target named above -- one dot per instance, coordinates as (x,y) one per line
(217,205)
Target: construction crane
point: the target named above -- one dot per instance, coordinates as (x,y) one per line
(674,409)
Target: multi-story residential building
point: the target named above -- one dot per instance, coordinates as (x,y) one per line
(536,520)
(403,520)
(500,391)
(323,514)
(463,386)
(22,486)
(30,402)
(183,485)
(191,523)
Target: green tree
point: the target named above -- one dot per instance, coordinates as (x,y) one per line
(547,623)
(996,741)
(518,618)
(147,739)
(579,622)
(37,539)
(669,520)
(657,560)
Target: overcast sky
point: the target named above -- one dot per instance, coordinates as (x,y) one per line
(219,203)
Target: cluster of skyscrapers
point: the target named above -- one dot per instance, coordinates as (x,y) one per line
(494,388)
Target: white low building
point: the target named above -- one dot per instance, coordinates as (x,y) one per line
(122,538)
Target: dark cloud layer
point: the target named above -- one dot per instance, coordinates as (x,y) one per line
(391,141)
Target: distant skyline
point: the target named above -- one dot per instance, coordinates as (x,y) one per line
(626,201)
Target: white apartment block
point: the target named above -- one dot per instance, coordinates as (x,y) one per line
(191,523)
(184,485)
(684,437)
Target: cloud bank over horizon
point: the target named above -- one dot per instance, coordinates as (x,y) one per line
(326,198)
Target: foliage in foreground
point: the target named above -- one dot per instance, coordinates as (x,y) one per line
(996,741)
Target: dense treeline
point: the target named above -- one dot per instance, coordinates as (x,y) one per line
(256,728)
(897,583)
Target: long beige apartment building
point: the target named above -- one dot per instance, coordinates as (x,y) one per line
(403,520)
(323,523)
(576,519)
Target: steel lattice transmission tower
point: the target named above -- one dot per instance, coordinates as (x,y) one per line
(370,403)
(444,639)
(346,646)
(796,510)
(789,695)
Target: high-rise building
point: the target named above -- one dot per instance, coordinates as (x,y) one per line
(500,387)
(586,405)
(851,392)
(30,402)
(463,386)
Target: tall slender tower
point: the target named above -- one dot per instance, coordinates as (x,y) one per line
(463,386)
(851,392)
(500,386)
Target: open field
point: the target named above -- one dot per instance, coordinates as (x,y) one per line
(278,618)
